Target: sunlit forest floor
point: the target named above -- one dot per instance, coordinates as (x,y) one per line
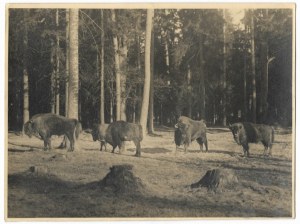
(67,186)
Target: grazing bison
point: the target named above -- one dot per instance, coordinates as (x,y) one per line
(245,132)
(189,130)
(120,131)
(99,132)
(43,126)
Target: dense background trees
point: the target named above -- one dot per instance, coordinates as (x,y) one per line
(201,63)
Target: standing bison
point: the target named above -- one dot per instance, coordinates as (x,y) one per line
(43,126)
(188,130)
(245,132)
(99,132)
(120,131)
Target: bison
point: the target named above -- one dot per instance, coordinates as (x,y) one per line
(188,130)
(120,131)
(43,126)
(99,132)
(245,132)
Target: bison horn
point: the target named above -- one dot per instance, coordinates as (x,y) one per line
(176,125)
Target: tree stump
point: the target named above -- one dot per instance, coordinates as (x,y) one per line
(216,178)
(120,179)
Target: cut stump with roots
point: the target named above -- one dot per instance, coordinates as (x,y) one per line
(216,178)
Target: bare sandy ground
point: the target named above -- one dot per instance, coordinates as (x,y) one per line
(68,182)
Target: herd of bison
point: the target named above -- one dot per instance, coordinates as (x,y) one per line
(43,126)
(163,182)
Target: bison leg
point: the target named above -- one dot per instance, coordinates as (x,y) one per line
(72,142)
(246,150)
(102,143)
(138,148)
(206,145)
(47,143)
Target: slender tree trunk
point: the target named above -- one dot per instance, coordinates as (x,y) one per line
(57,87)
(123,67)
(224,68)
(166,45)
(245,88)
(137,112)
(52,100)
(264,77)
(117,69)
(253,69)
(74,71)
(151,100)
(67,61)
(189,109)
(102,97)
(145,103)
(25,71)
(202,81)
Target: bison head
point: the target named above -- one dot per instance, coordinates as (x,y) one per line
(183,132)
(28,129)
(95,133)
(236,129)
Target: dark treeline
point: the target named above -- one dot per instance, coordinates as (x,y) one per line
(203,65)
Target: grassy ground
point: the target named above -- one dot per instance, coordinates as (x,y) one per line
(70,185)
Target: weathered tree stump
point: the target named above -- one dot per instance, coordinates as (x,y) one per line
(121,179)
(216,178)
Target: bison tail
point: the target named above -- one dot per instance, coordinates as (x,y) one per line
(78,129)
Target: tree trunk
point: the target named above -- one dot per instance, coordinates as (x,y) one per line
(145,102)
(253,69)
(264,77)
(117,69)
(137,112)
(189,109)
(123,67)
(74,72)
(25,71)
(151,100)
(102,97)
(224,69)
(245,88)
(57,86)
(202,80)
(167,56)
(67,61)
(52,100)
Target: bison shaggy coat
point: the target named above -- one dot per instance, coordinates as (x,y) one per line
(120,131)
(99,132)
(188,130)
(245,132)
(43,126)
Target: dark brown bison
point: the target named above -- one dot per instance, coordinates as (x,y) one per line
(189,130)
(245,132)
(120,131)
(43,126)
(99,132)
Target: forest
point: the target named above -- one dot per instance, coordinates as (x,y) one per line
(150,65)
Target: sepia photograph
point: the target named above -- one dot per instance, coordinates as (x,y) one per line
(150,111)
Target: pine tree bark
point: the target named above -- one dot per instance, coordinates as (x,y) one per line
(25,70)
(224,68)
(189,77)
(151,99)
(52,94)
(102,97)
(202,81)
(67,61)
(74,72)
(146,93)
(57,86)
(117,69)
(123,67)
(253,68)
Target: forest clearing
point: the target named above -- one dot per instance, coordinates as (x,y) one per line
(69,183)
